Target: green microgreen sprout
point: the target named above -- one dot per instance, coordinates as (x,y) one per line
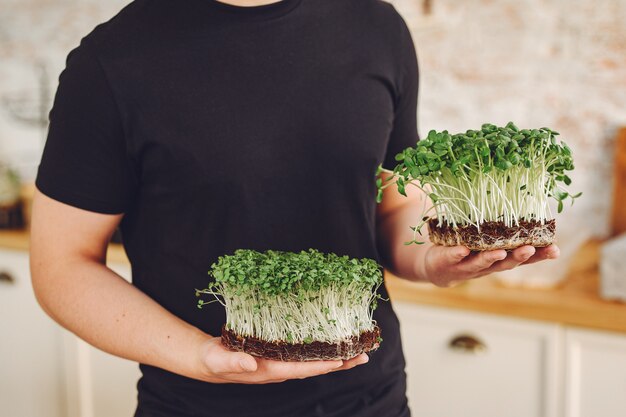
(499,174)
(298,297)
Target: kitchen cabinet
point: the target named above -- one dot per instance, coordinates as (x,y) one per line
(595,382)
(459,363)
(46,370)
(31,369)
(462,363)
(467,364)
(474,350)
(99,384)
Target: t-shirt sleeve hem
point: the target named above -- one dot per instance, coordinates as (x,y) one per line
(386,164)
(79,201)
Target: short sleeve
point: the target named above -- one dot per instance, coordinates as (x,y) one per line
(404,130)
(85,161)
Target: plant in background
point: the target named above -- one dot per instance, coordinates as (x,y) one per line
(490,188)
(296,306)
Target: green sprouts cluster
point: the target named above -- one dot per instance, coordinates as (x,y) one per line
(296,297)
(502,174)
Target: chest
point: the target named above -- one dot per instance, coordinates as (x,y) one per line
(255,106)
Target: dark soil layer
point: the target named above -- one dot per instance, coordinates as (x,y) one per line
(298,352)
(493,235)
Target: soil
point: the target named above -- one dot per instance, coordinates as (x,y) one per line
(493,235)
(297,352)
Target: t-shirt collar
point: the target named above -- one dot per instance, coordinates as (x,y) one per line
(270,10)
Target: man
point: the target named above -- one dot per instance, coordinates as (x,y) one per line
(201,127)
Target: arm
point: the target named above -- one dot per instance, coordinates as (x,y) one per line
(443,266)
(74,286)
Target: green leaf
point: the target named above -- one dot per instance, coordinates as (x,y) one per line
(511,125)
(379,196)
(560,206)
(567,180)
(514,159)
(503,164)
(413,242)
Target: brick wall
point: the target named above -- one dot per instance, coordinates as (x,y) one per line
(556,63)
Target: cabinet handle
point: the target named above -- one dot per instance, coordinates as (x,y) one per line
(467,343)
(6,278)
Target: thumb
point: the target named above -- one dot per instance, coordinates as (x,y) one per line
(454,254)
(222,361)
(242,362)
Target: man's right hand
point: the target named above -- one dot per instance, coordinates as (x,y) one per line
(220,365)
(76,288)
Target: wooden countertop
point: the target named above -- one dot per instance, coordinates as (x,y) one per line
(575,302)
(19,239)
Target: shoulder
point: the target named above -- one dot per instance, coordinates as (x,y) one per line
(383,8)
(386,26)
(380,11)
(381,19)
(128,30)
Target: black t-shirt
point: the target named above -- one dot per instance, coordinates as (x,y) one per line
(215,127)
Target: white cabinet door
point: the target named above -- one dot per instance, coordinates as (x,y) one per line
(31,367)
(462,364)
(595,374)
(100,385)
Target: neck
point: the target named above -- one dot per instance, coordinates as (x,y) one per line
(248,3)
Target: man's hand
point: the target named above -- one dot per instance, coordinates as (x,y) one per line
(443,266)
(220,365)
(76,288)
(446,266)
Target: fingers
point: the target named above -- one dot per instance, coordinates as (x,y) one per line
(222,361)
(270,371)
(238,367)
(520,256)
(456,254)
(513,259)
(475,263)
(447,266)
(361,359)
(549,252)
(277,370)
(446,256)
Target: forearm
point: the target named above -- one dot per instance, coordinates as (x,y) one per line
(99,306)
(404,261)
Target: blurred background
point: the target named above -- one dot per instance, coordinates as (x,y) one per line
(548,340)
